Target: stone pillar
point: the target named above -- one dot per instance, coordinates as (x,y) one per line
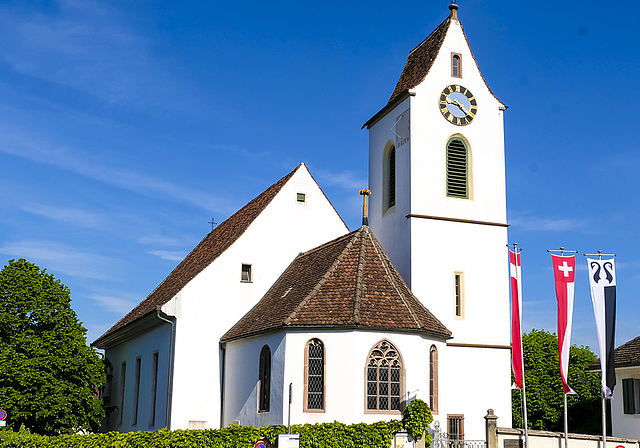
(491,424)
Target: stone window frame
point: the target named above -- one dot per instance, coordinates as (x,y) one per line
(381,348)
(305,400)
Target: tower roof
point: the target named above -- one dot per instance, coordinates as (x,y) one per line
(210,248)
(348,282)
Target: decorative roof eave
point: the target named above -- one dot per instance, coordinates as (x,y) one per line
(388,108)
(140,325)
(284,328)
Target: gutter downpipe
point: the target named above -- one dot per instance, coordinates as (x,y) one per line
(167,421)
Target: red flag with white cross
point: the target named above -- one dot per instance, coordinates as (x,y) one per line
(564,268)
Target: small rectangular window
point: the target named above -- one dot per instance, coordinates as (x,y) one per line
(301,198)
(154,390)
(455,427)
(456,65)
(246,275)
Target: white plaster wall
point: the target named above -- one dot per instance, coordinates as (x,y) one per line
(241,382)
(157,339)
(624,425)
(216,298)
(471,381)
(390,226)
(345,361)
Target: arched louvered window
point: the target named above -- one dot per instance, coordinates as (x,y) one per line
(433,379)
(264,378)
(314,376)
(385,376)
(392,178)
(457,169)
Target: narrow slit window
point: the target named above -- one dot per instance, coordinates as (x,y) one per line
(154,389)
(433,379)
(458,294)
(456,65)
(246,275)
(392,177)
(123,376)
(264,380)
(136,392)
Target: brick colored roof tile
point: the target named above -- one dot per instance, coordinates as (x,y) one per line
(627,355)
(350,282)
(210,248)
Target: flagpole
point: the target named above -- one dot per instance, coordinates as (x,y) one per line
(523,392)
(566,418)
(604,398)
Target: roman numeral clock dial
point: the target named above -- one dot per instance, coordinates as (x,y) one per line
(458,105)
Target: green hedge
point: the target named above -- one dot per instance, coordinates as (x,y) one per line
(321,435)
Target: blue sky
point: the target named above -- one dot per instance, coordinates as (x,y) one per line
(126,126)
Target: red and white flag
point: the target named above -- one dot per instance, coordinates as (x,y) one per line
(516,317)
(564,268)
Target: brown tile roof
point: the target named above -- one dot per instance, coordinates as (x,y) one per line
(421,59)
(350,282)
(210,248)
(627,355)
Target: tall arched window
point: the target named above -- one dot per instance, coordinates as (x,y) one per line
(314,376)
(392,178)
(456,65)
(264,379)
(433,379)
(457,168)
(385,376)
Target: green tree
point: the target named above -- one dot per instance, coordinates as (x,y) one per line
(545,402)
(49,377)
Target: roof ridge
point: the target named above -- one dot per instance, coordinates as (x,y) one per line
(430,34)
(324,278)
(359,276)
(221,238)
(391,279)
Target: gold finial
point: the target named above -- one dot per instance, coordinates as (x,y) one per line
(365,219)
(453,7)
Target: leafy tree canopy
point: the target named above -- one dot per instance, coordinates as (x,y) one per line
(49,377)
(545,401)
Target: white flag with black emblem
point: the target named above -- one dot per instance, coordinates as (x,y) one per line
(602,278)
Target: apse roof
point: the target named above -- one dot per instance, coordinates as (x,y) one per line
(347,282)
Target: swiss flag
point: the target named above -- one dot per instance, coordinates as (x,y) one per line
(564,268)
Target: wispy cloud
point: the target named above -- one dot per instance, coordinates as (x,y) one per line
(64,259)
(168,254)
(87,46)
(345,179)
(78,217)
(527,222)
(114,304)
(13,143)
(162,240)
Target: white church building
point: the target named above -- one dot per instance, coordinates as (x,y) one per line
(282,296)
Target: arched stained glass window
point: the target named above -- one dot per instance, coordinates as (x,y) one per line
(314,372)
(264,378)
(392,178)
(384,377)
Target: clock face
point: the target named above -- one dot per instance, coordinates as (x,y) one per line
(458,105)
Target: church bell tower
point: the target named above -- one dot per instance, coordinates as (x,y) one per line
(438,207)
